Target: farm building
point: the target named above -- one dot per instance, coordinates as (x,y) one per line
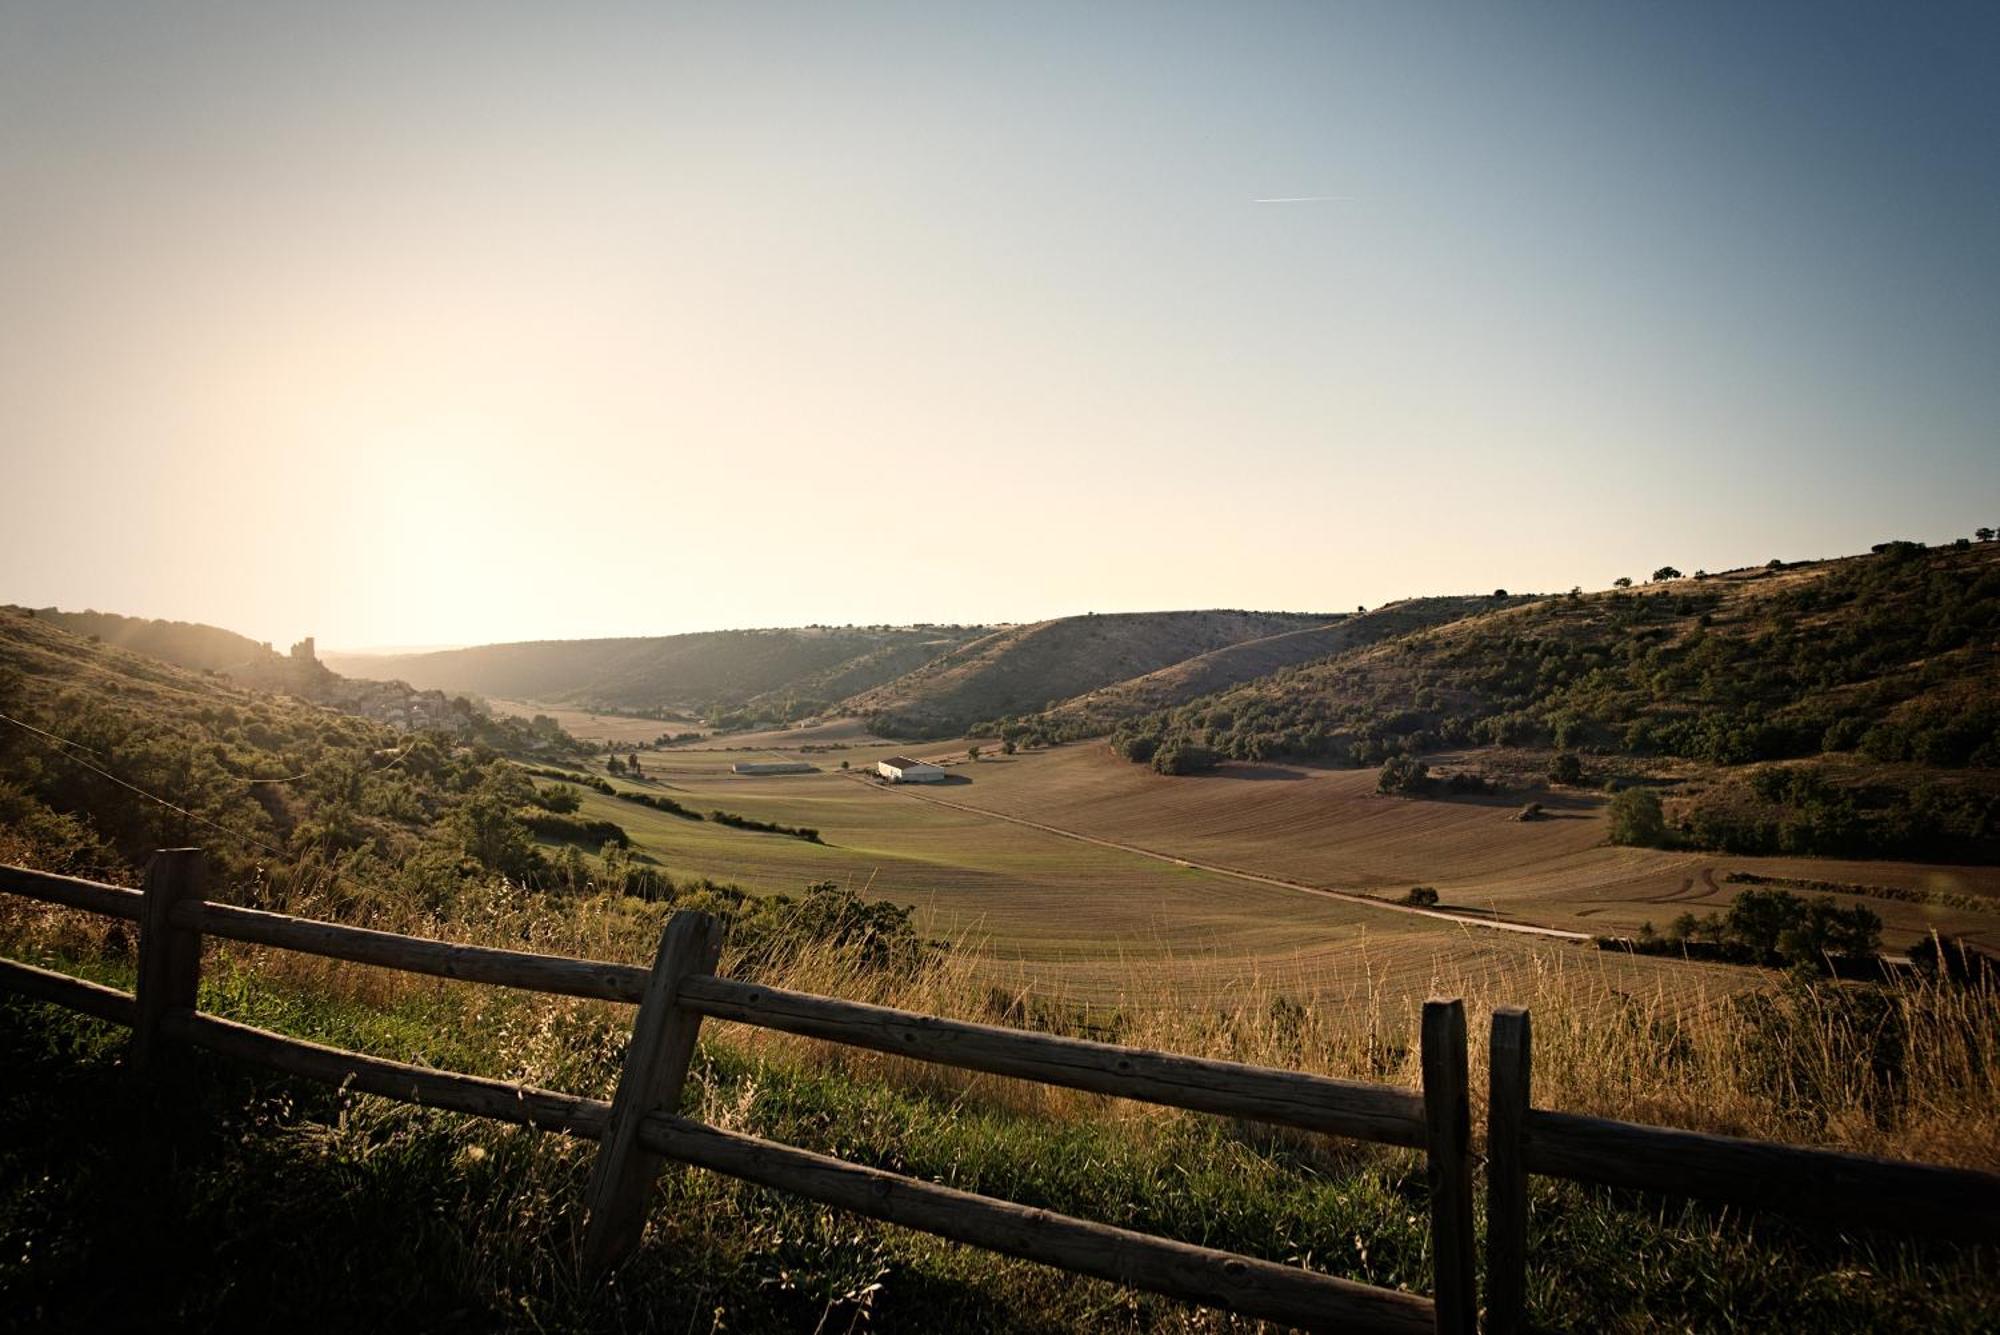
(902,769)
(772,767)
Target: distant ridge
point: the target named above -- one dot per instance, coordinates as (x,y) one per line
(1023,669)
(789,672)
(1247,660)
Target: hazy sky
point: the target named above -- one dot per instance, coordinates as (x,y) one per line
(416,324)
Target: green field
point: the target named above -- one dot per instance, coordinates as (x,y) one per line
(1073,918)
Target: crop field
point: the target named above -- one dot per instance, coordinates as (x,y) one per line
(1069,918)
(592,726)
(1331,828)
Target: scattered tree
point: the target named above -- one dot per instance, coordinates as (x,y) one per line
(1405,775)
(972,753)
(1636,818)
(1420,897)
(1566,768)
(1666,572)
(1622,582)
(1983,534)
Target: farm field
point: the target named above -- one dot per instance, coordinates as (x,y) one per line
(591,726)
(1076,920)
(1331,828)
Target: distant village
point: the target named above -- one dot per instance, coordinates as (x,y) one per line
(395,703)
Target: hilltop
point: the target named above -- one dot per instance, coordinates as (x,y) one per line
(788,673)
(1022,669)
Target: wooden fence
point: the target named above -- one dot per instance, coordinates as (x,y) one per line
(1845,1190)
(640,1128)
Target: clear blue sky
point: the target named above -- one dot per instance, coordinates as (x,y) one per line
(485,323)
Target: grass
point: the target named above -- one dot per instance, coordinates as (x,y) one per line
(1081,921)
(238,1197)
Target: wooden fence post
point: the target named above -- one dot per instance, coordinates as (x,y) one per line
(169,955)
(1508,1091)
(656,1067)
(1448,1122)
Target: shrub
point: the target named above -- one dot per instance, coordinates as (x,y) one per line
(574,829)
(737,822)
(562,799)
(1420,896)
(1637,820)
(1565,769)
(1405,775)
(1184,758)
(1139,748)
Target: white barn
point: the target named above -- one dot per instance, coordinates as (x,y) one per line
(902,769)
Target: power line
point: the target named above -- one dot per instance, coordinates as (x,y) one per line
(133,787)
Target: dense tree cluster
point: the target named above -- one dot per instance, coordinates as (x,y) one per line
(1772,927)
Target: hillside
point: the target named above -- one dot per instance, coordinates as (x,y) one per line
(1022,669)
(189,644)
(1887,663)
(214,652)
(708,671)
(1096,711)
(247,772)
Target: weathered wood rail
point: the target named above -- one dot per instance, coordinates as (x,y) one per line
(641,1128)
(1828,1187)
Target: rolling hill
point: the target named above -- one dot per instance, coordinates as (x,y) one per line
(1849,706)
(187,644)
(1096,711)
(1022,669)
(708,671)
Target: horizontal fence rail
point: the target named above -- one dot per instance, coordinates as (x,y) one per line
(106,1003)
(1198,1274)
(563,975)
(93,896)
(1289,1098)
(1827,1187)
(640,1127)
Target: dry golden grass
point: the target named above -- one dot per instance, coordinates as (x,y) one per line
(1797,1063)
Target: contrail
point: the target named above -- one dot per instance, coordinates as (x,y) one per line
(1301,199)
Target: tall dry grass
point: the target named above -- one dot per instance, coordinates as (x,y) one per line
(1904,1070)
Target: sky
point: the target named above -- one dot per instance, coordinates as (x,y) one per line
(416,325)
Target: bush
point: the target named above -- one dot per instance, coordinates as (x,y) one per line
(872,936)
(562,799)
(1637,820)
(1566,769)
(737,822)
(574,829)
(1420,897)
(1404,775)
(1139,748)
(1184,758)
